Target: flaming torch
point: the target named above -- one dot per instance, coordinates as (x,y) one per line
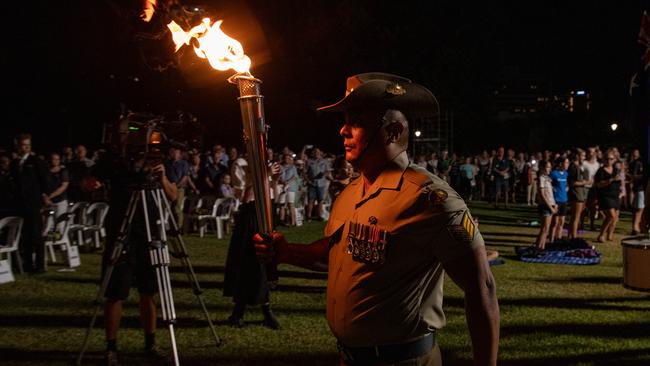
(224,53)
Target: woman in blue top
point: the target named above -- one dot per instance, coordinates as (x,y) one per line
(559,177)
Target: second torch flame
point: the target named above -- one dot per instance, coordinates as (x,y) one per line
(222,51)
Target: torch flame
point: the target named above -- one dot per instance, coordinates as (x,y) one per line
(148,8)
(222,51)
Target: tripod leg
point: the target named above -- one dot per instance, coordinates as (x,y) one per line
(84,347)
(159,257)
(173,341)
(115,256)
(181,253)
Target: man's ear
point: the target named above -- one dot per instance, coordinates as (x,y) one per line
(393,132)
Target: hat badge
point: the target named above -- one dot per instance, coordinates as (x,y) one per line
(395,89)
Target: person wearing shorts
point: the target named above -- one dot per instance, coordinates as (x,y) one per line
(578,192)
(287,197)
(608,182)
(591,165)
(638,189)
(546,207)
(502,174)
(317,172)
(559,178)
(133,267)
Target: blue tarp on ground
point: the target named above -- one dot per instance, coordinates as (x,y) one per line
(575,252)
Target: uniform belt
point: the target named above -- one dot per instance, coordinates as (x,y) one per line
(392,353)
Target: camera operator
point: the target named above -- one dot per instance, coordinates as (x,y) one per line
(123,174)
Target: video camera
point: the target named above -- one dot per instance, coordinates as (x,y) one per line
(145,139)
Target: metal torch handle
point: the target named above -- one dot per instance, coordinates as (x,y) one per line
(255,134)
(251,103)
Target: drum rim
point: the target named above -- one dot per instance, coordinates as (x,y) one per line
(640,289)
(636,246)
(639,238)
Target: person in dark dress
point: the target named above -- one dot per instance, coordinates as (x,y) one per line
(246,278)
(30,178)
(608,182)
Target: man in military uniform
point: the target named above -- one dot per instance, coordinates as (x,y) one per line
(391,235)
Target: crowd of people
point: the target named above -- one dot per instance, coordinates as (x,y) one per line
(32,183)
(581,184)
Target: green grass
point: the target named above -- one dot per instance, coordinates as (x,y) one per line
(550,314)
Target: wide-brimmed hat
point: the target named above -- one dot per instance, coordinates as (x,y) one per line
(382,90)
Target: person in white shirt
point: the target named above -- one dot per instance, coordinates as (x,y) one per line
(591,165)
(238,169)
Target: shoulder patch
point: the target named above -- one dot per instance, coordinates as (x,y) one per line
(464,232)
(434,196)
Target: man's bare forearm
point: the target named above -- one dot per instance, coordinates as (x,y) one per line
(482,311)
(312,256)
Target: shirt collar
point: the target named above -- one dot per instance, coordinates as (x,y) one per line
(389,178)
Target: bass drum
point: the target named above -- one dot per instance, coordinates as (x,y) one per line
(636,264)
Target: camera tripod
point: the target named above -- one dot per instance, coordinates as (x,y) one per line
(156,235)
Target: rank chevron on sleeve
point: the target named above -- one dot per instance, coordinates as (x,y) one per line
(468,224)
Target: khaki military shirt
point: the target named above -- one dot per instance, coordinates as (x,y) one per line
(387,249)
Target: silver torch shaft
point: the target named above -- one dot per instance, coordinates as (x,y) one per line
(251,103)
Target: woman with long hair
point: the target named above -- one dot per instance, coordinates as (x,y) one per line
(608,182)
(547,207)
(578,179)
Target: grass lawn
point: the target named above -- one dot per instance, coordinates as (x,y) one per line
(550,314)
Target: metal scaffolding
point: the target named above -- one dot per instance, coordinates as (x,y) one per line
(432,134)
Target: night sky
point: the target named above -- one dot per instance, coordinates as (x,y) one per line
(69,65)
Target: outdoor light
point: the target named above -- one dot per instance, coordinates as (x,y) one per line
(580,92)
(418,133)
(614,126)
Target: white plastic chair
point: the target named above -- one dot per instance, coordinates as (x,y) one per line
(299,213)
(95,217)
(220,215)
(48,222)
(11,227)
(76,229)
(63,241)
(194,208)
